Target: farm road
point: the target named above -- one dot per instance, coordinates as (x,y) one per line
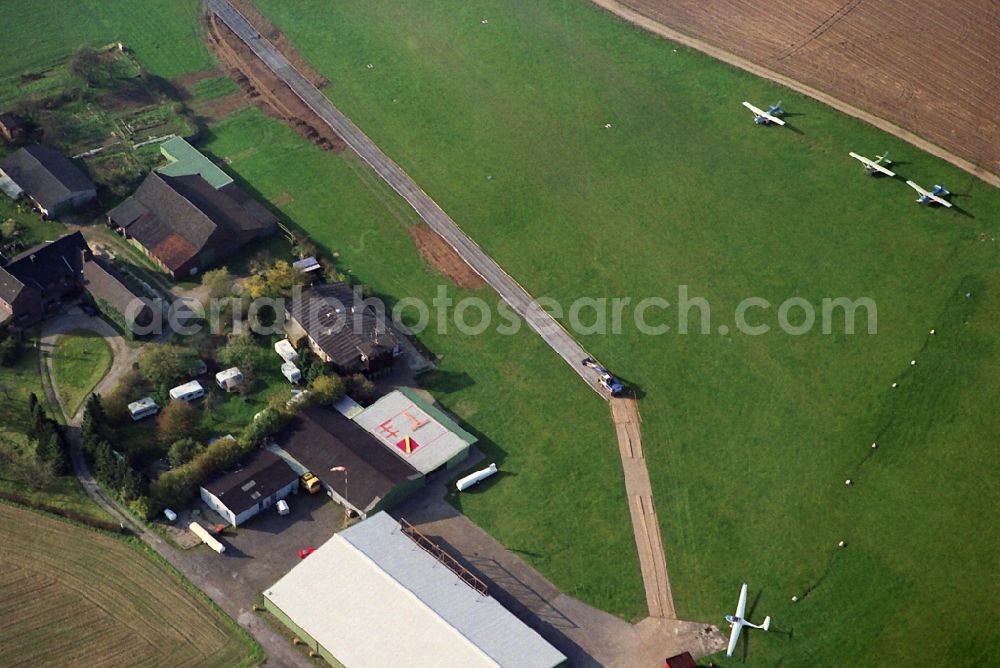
(516,296)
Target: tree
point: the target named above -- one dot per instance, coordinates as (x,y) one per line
(95,409)
(133,485)
(243,351)
(166,363)
(360,389)
(10,351)
(218,281)
(183,451)
(274,281)
(53,450)
(115,405)
(178,420)
(326,389)
(88,65)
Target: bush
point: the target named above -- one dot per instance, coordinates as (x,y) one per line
(360,389)
(178,420)
(183,451)
(167,363)
(130,388)
(326,390)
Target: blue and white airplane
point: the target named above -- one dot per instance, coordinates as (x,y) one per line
(769,117)
(935,196)
(738,622)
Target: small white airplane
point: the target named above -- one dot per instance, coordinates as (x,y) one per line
(874,166)
(935,196)
(738,622)
(761,117)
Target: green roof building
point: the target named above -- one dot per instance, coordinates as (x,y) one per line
(186,160)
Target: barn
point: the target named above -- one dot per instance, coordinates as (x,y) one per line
(380,594)
(416,430)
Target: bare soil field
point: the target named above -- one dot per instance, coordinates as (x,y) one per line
(443,257)
(73,596)
(262,88)
(929,67)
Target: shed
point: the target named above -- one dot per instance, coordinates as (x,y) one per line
(258,484)
(378,594)
(229,379)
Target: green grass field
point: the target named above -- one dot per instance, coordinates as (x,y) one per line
(74,596)
(163,34)
(79,361)
(64,492)
(749,439)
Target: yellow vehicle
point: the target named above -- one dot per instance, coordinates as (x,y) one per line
(310,483)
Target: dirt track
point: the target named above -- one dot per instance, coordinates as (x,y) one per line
(262,88)
(443,257)
(928,67)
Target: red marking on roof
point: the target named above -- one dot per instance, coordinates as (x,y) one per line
(174,251)
(408,445)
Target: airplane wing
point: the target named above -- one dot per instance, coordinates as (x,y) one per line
(871,164)
(763,114)
(923,193)
(742,607)
(734,637)
(939,200)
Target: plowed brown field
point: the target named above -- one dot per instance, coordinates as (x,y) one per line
(930,67)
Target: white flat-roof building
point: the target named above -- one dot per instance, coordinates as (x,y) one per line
(372,597)
(416,430)
(188,391)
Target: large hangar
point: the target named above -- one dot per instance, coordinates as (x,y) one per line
(371,597)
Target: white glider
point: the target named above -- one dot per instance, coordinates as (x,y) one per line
(738,622)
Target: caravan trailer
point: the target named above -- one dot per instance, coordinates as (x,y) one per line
(142,408)
(291,372)
(188,391)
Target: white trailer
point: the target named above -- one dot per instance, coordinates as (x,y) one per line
(229,379)
(291,372)
(286,350)
(142,408)
(188,391)
(207,538)
(475,477)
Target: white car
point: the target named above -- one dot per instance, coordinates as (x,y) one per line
(283,508)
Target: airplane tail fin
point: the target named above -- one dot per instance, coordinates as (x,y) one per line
(767,623)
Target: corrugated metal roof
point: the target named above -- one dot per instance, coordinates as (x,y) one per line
(434,437)
(373,598)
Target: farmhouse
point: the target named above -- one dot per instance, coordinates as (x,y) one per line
(262,481)
(39,280)
(185,225)
(374,596)
(416,431)
(342,329)
(319,439)
(48,178)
